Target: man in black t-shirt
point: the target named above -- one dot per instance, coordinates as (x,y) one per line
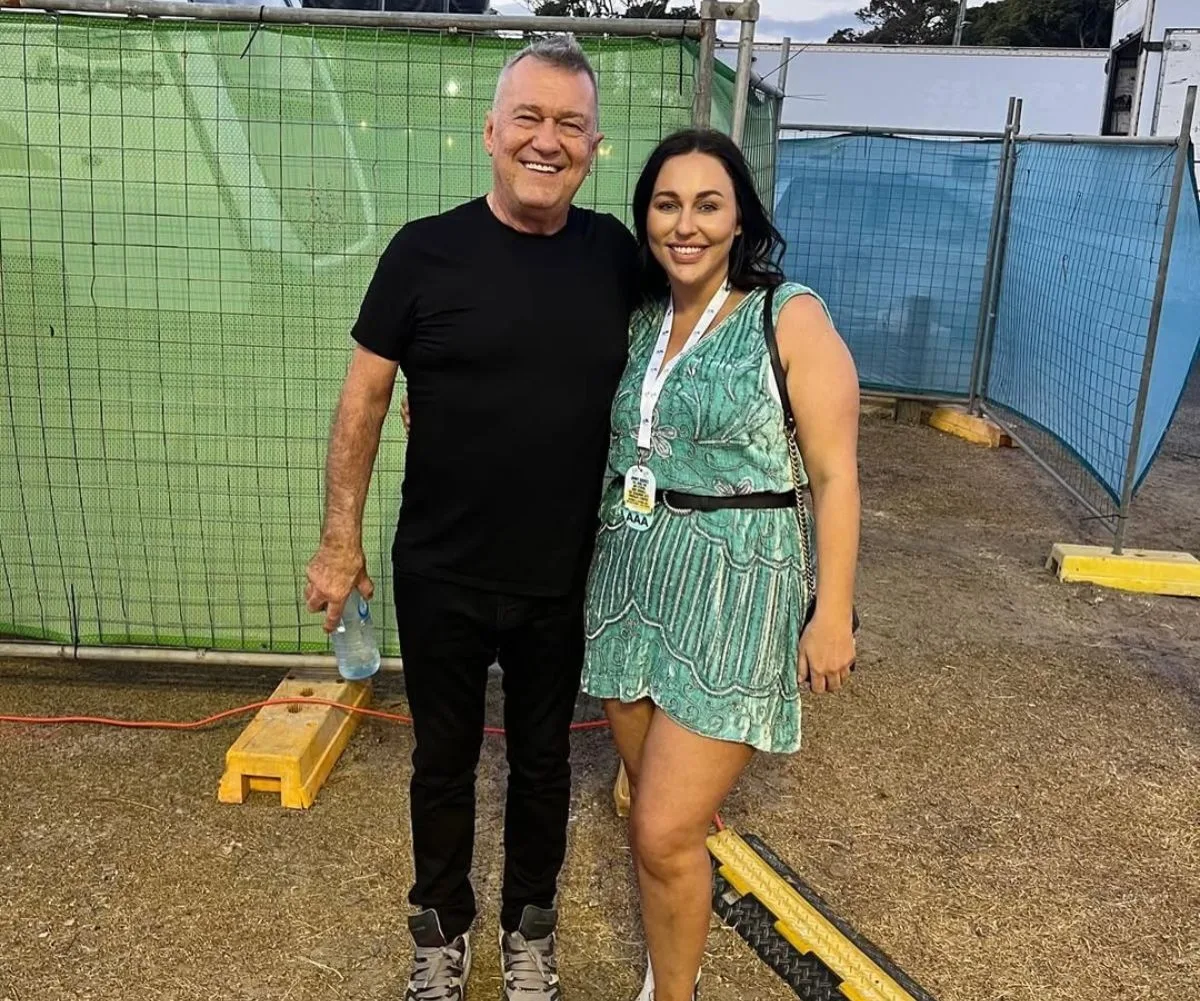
(508,316)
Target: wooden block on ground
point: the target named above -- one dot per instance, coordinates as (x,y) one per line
(1148,571)
(909,411)
(292,749)
(977,430)
(621,792)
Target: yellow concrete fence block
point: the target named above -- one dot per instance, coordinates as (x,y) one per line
(1147,571)
(292,749)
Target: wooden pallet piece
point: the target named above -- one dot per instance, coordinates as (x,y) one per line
(876,408)
(290,750)
(977,430)
(909,412)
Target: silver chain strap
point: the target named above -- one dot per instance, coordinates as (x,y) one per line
(803,519)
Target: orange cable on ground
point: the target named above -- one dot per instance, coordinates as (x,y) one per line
(144,724)
(138,724)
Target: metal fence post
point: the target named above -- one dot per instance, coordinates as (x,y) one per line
(1182,164)
(712,11)
(702,97)
(785,57)
(993,292)
(745,66)
(973,402)
(960,22)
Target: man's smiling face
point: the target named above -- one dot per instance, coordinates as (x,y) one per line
(541,135)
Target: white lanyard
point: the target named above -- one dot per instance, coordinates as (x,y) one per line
(657,372)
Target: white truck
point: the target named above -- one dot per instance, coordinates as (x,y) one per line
(1155,58)
(1136,86)
(936,87)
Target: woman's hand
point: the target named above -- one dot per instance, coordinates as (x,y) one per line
(827,653)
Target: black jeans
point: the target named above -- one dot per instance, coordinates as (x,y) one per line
(449,637)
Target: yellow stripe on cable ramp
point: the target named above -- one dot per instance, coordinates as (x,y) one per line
(802,924)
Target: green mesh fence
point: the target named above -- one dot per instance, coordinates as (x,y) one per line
(189,214)
(760,142)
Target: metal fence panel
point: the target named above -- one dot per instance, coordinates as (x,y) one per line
(189,214)
(760,143)
(893,233)
(1179,333)
(760,140)
(1077,287)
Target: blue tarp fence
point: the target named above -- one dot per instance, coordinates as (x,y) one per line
(893,232)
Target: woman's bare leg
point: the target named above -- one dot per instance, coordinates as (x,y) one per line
(630,722)
(682,780)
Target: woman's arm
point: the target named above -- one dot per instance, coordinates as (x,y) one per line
(822,386)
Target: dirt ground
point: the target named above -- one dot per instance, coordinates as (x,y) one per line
(1007,800)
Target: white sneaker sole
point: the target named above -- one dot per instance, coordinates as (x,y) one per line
(466,964)
(648,985)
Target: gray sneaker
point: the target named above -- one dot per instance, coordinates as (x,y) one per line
(440,968)
(528,960)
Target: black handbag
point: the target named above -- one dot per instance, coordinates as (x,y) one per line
(803,517)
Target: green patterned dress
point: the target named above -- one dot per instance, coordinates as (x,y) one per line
(702,612)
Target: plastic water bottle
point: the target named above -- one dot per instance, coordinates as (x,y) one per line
(354,643)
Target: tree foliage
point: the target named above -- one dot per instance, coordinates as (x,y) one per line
(903,22)
(650,9)
(1028,23)
(1053,23)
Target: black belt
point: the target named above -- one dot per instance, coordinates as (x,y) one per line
(712,502)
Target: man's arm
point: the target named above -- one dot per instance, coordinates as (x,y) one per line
(339,564)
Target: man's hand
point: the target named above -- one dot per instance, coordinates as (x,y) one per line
(827,654)
(332,573)
(338,565)
(405,413)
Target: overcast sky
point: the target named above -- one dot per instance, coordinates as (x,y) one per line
(800,20)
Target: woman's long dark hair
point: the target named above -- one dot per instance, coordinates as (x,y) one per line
(754,257)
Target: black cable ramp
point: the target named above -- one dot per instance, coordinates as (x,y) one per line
(796,933)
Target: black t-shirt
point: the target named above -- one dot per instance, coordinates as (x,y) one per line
(512,346)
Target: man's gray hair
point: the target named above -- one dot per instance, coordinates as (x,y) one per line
(561,51)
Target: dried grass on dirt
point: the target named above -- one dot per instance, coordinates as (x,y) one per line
(1007,800)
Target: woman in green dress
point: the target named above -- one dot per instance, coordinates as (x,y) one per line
(700,633)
